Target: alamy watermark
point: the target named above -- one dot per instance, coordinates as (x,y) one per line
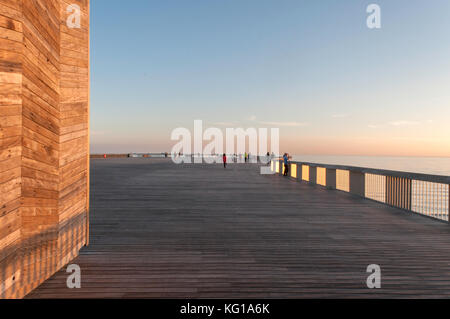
(74,279)
(74,19)
(374,19)
(232,144)
(374,279)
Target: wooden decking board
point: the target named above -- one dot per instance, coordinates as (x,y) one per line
(160,230)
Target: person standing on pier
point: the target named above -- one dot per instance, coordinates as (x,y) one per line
(224,159)
(286,164)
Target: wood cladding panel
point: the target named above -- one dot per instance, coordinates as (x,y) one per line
(44,105)
(74,105)
(40,105)
(10,141)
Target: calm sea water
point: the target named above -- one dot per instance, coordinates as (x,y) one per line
(426,165)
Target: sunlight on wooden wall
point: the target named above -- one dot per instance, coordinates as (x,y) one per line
(321,177)
(44,96)
(305,173)
(343,180)
(294,170)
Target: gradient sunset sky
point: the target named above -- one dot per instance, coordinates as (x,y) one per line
(311,68)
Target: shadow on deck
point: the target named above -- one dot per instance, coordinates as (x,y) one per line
(161,230)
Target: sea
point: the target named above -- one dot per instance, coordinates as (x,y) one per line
(425,165)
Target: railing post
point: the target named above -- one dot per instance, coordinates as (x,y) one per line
(331,178)
(387,192)
(357,183)
(313,174)
(299,171)
(281,167)
(409,194)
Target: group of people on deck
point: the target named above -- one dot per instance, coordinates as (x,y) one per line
(246,158)
(235,157)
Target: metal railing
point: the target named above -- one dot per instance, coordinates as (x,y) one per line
(424,194)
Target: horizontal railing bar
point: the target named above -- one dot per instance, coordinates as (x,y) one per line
(416,176)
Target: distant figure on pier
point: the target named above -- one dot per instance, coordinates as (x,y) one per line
(286,164)
(224,158)
(245,157)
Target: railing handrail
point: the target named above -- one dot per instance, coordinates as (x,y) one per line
(417,176)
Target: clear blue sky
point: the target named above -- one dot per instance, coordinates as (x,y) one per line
(312,68)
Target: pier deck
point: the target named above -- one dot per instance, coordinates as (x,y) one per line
(161,230)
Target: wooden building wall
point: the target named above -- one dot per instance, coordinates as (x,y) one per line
(11,44)
(44,107)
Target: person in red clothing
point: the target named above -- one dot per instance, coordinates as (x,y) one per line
(224,158)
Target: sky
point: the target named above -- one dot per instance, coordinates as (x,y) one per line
(311,68)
